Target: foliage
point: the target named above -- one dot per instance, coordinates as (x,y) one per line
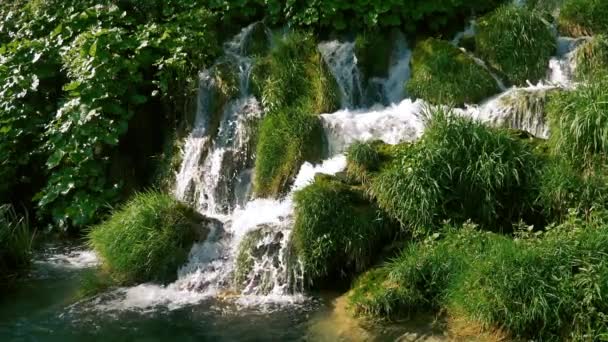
(147,239)
(579,122)
(459,170)
(15,242)
(592,58)
(583,17)
(297,87)
(545,286)
(112,64)
(443,74)
(337,231)
(517,42)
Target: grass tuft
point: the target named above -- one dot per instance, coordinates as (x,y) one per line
(517,42)
(147,239)
(591,59)
(15,242)
(583,17)
(443,74)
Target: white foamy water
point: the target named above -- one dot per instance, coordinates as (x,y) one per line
(71,259)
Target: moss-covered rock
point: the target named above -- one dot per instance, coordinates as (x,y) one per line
(517,42)
(257,41)
(297,87)
(591,58)
(583,17)
(338,232)
(443,74)
(148,239)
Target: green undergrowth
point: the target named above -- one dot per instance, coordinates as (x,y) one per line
(147,239)
(517,42)
(579,123)
(591,58)
(583,17)
(459,170)
(15,243)
(545,286)
(443,74)
(297,86)
(338,232)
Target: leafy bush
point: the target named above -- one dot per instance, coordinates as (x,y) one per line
(579,122)
(517,42)
(592,58)
(297,87)
(443,74)
(583,17)
(337,231)
(15,242)
(459,170)
(147,239)
(544,287)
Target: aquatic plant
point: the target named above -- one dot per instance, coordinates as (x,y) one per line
(147,239)
(517,42)
(443,74)
(15,242)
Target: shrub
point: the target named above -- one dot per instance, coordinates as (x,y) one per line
(591,58)
(517,42)
(459,170)
(443,74)
(583,17)
(337,231)
(298,87)
(578,121)
(15,242)
(147,239)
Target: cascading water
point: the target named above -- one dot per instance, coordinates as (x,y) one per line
(247,254)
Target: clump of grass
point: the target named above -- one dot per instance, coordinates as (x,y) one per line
(579,122)
(583,17)
(297,87)
(539,286)
(517,42)
(459,170)
(592,58)
(337,232)
(417,279)
(15,242)
(563,188)
(147,239)
(443,74)
(552,287)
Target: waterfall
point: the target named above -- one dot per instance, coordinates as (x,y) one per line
(248,254)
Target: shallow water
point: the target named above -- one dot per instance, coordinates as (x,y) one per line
(45,306)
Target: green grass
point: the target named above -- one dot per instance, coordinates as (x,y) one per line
(583,17)
(443,74)
(550,286)
(459,170)
(297,86)
(578,121)
(517,42)
(592,58)
(147,239)
(15,243)
(337,231)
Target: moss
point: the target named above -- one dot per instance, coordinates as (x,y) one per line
(257,42)
(459,170)
(517,42)
(443,74)
(373,50)
(297,86)
(337,232)
(147,239)
(591,58)
(583,17)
